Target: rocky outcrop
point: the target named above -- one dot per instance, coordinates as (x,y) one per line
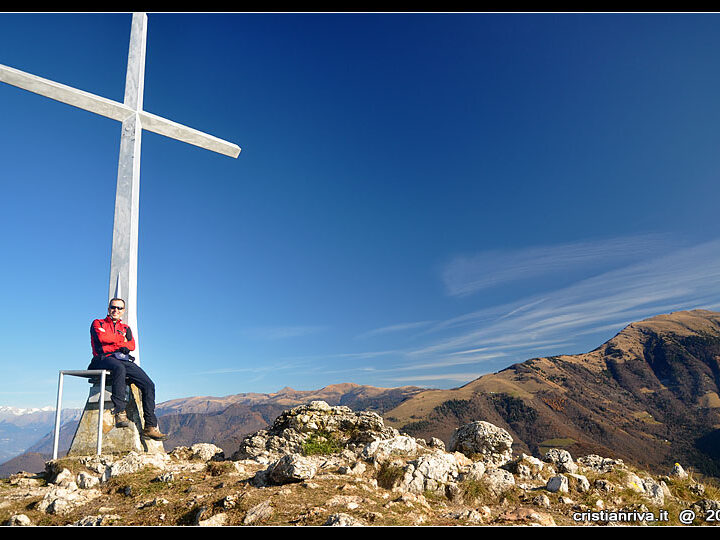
(292,430)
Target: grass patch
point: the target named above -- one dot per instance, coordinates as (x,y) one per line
(219,468)
(477,492)
(388,475)
(321,443)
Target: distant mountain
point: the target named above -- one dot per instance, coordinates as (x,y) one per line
(223,421)
(28,462)
(650,395)
(21,428)
(11,413)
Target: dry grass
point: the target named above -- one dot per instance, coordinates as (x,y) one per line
(142,500)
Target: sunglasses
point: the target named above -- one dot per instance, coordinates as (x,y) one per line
(115,307)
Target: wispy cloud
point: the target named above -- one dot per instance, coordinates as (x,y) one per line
(465,275)
(567,320)
(682,279)
(401,327)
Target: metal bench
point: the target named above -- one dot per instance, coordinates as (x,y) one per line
(93,375)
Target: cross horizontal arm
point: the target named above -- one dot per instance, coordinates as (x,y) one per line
(113,109)
(173,130)
(65,94)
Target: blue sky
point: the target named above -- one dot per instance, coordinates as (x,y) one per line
(420,199)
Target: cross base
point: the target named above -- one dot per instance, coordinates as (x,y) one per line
(114,440)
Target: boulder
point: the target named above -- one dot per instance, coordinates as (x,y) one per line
(292,468)
(431,472)
(86,480)
(578,482)
(678,472)
(19,520)
(133,462)
(600,464)
(498,480)
(384,449)
(343,520)
(562,460)
(198,452)
(527,467)
(483,441)
(259,512)
(475,471)
(558,484)
(60,500)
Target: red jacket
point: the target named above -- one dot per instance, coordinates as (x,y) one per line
(107,336)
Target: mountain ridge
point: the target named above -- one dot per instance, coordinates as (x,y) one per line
(649,394)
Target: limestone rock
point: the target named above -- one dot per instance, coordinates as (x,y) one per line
(60,500)
(578,482)
(483,441)
(217,520)
(655,491)
(430,472)
(600,464)
(558,484)
(384,449)
(527,515)
(633,482)
(97,521)
(19,520)
(258,513)
(134,462)
(292,468)
(498,480)
(343,520)
(294,427)
(199,452)
(87,481)
(678,472)
(562,460)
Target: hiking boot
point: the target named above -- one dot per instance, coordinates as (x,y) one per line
(121,419)
(152,432)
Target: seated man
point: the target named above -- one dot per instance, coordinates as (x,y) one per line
(112,341)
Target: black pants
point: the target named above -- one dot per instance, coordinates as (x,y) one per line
(121,370)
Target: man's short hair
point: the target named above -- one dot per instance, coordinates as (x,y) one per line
(114,299)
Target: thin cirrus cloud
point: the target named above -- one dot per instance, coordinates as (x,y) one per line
(569,320)
(680,279)
(466,275)
(401,327)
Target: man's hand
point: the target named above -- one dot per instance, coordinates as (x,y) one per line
(124,350)
(128,334)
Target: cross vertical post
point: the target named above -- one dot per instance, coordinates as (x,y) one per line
(123,263)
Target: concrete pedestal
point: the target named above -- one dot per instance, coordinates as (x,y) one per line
(114,440)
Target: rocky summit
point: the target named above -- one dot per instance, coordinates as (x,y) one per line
(324,465)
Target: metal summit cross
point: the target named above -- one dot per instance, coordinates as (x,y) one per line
(123,264)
